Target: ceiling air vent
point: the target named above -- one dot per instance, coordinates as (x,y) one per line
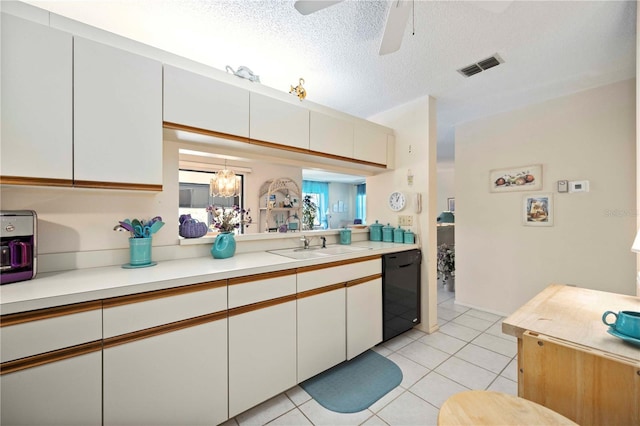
(480,66)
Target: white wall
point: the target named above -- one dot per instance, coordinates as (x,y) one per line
(638,142)
(415,127)
(346,193)
(500,264)
(446,186)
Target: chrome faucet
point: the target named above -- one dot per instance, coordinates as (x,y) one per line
(306,241)
(324,241)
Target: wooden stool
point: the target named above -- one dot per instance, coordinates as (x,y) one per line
(495,408)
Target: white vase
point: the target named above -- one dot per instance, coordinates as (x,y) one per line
(450,283)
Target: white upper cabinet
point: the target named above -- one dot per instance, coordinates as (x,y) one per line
(279,122)
(331,135)
(197,101)
(36,100)
(117,116)
(370,144)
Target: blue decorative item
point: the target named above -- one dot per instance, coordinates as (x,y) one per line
(140,251)
(224,246)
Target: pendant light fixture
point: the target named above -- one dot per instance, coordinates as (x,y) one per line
(225,183)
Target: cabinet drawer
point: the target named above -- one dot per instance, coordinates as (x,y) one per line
(45,330)
(257,288)
(314,277)
(141,311)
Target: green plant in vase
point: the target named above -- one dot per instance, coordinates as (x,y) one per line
(309,212)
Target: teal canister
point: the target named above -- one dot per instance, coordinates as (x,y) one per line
(409,237)
(387,233)
(398,235)
(375,232)
(345,236)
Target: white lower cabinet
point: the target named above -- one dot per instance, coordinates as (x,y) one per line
(52,366)
(262,354)
(64,392)
(364,315)
(321,332)
(179,377)
(165,356)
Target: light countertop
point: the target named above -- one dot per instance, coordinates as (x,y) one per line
(81,285)
(575,315)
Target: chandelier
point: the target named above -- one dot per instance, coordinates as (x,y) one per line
(225,183)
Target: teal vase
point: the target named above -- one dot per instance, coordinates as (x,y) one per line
(224,246)
(140,251)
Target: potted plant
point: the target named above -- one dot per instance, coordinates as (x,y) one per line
(226,221)
(447,265)
(309,211)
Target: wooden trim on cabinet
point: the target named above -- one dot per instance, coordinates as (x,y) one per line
(46,313)
(320,290)
(261,305)
(279,146)
(32,181)
(338,263)
(363,280)
(212,133)
(267,144)
(348,159)
(263,276)
(158,294)
(117,185)
(162,329)
(49,357)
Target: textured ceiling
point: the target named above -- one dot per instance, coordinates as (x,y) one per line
(550,48)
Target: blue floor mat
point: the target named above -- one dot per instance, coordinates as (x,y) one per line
(354,385)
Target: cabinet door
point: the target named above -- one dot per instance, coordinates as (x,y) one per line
(280,122)
(36,101)
(331,135)
(370,144)
(262,354)
(364,315)
(117,116)
(179,377)
(195,100)
(321,332)
(63,392)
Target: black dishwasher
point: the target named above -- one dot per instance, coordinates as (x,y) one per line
(400,292)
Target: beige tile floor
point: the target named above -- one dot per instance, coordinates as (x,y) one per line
(468,352)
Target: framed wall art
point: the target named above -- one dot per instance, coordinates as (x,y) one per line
(525,178)
(537,210)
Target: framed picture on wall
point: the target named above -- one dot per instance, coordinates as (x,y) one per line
(537,210)
(524,178)
(451,204)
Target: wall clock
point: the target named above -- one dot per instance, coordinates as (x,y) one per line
(397,201)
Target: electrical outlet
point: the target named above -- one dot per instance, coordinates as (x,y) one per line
(405,220)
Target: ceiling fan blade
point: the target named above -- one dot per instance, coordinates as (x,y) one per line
(305,7)
(396,23)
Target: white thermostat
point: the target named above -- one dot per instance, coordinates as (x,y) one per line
(579,186)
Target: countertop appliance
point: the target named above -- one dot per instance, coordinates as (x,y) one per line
(400,292)
(19,245)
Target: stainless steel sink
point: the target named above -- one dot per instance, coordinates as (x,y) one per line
(317,252)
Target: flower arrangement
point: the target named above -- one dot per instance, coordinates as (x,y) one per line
(309,210)
(226,220)
(446,260)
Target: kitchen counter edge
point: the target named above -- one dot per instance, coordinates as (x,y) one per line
(83,285)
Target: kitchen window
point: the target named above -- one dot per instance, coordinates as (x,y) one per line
(319,193)
(195,197)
